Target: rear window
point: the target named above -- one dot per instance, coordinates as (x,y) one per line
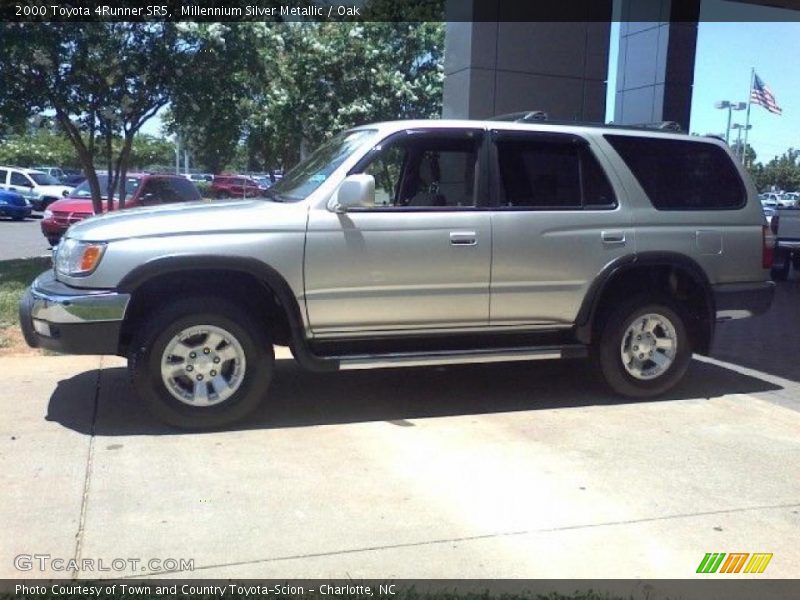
(682,175)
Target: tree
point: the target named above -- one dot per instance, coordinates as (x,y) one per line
(102,81)
(782,172)
(331,76)
(210,100)
(275,90)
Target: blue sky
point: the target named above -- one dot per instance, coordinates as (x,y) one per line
(725,53)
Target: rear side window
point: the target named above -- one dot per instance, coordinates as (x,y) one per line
(682,175)
(20,179)
(167,191)
(547,174)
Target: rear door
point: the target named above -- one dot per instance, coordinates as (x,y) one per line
(417,260)
(555,224)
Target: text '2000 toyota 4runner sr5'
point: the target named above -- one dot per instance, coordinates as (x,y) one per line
(421,243)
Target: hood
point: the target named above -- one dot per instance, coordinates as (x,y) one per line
(52,190)
(73,205)
(192,218)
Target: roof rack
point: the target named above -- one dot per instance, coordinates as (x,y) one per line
(540,116)
(526,116)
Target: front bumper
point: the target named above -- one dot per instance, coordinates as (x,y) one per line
(740,300)
(58,317)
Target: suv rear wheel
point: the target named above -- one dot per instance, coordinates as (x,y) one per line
(644,348)
(201,363)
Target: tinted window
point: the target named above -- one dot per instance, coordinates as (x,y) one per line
(44,179)
(682,175)
(551,175)
(84,191)
(166,191)
(3,176)
(20,179)
(426,172)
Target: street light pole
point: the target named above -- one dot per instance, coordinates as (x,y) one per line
(731,106)
(740,150)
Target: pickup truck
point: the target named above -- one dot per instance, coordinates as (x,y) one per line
(786,227)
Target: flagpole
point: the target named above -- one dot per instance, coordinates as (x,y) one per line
(747,116)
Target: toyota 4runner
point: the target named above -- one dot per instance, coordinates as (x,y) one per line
(421,243)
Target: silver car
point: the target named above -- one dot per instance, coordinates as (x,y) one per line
(421,243)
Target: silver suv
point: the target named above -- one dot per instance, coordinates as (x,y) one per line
(421,243)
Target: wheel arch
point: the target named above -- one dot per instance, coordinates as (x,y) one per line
(676,274)
(237,272)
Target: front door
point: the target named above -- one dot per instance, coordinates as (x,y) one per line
(419,259)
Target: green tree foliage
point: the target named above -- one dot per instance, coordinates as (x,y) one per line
(102,80)
(331,76)
(211,98)
(43,147)
(782,172)
(276,90)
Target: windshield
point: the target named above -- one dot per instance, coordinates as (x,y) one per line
(43,179)
(83,190)
(311,173)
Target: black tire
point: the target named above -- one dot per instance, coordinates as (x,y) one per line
(607,350)
(149,344)
(781,266)
(53,241)
(18,218)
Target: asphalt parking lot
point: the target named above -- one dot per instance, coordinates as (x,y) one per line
(22,239)
(515,471)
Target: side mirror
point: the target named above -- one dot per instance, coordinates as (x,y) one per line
(65,193)
(356,191)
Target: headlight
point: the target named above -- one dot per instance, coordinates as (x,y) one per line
(47,214)
(76,258)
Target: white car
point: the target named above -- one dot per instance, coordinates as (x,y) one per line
(37,187)
(789,200)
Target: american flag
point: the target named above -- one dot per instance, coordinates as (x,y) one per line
(763,96)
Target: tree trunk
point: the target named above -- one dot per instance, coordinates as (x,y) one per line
(122,167)
(86,159)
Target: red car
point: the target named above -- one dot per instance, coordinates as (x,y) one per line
(236,186)
(140,190)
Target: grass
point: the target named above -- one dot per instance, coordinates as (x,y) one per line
(15,277)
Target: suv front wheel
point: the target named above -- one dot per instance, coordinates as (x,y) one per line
(201,363)
(644,348)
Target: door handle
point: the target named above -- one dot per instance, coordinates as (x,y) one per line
(463,238)
(613,237)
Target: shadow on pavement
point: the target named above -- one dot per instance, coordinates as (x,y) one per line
(769,343)
(299,398)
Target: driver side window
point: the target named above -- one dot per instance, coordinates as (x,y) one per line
(427,171)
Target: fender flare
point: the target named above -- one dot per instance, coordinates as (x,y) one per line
(586,315)
(242,264)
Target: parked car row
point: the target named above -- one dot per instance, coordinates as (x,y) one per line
(141,189)
(38,187)
(780,199)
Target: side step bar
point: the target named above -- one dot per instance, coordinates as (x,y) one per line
(457,357)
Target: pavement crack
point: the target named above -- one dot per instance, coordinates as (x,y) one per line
(472,538)
(88,475)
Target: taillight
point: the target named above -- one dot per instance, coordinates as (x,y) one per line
(768,249)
